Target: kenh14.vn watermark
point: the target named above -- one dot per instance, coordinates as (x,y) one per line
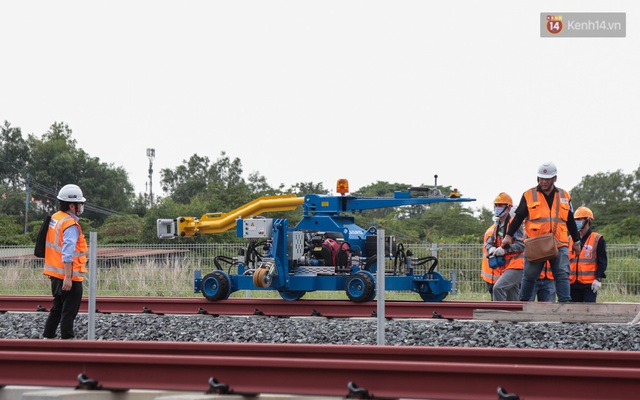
(557,24)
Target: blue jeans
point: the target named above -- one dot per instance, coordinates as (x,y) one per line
(560,270)
(545,290)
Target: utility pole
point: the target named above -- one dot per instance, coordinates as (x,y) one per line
(151,155)
(26,204)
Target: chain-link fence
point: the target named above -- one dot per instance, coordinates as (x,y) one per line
(168,269)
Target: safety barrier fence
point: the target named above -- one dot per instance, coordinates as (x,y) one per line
(168,269)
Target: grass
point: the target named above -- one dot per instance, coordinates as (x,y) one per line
(173,277)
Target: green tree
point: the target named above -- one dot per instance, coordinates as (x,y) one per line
(121,229)
(302,189)
(215,187)
(187,180)
(14,156)
(614,198)
(11,231)
(12,201)
(56,161)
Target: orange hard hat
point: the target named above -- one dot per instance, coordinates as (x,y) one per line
(583,212)
(503,198)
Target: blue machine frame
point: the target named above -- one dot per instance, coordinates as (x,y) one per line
(291,262)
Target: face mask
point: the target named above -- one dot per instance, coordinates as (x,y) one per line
(79,209)
(498,211)
(579,224)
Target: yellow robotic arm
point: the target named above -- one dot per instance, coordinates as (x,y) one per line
(221,222)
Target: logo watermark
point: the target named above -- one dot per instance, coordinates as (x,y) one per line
(555,24)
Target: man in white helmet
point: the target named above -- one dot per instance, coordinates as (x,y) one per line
(545,209)
(64,262)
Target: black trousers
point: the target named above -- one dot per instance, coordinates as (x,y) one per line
(582,293)
(64,311)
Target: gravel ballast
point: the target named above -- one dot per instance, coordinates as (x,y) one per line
(257,329)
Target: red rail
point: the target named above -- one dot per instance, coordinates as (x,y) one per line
(274,307)
(381,371)
(582,358)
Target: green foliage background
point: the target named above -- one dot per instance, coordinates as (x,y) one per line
(33,169)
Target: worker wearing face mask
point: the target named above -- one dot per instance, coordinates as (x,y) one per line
(587,269)
(64,262)
(490,274)
(507,287)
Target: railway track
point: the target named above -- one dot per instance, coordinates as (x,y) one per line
(357,371)
(326,370)
(268,307)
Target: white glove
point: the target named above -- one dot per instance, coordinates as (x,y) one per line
(491,251)
(595,286)
(499,252)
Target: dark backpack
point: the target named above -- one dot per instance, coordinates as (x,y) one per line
(41,239)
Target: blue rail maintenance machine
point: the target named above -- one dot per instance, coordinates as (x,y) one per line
(326,250)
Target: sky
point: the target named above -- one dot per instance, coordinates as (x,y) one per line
(314,91)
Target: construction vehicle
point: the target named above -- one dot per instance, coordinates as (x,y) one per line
(326,250)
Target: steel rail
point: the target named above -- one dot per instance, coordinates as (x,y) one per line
(289,373)
(271,307)
(578,358)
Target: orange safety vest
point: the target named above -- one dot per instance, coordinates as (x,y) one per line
(584,268)
(512,260)
(53,265)
(546,272)
(541,220)
(489,275)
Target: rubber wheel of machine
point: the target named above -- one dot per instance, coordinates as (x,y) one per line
(292,295)
(360,287)
(433,298)
(216,286)
(259,278)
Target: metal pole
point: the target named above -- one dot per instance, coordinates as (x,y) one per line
(26,205)
(93,252)
(380,274)
(151,154)
(434,249)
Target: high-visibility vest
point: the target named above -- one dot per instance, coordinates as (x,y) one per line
(542,220)
(584,268)
(489,275)
(546,272)
(512,260)
(53,265)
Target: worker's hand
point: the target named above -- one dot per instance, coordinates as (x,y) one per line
(507,241)
(577,248)
(491,251)
(499,252)
(66,284)
(595,286)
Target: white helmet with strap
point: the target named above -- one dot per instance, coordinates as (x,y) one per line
(71,194)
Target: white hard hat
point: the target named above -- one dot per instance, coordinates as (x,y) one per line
(71,194)
(547,170)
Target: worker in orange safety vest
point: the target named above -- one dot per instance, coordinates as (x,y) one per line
(507,287)
(546,209)
(488,274)
(589,266)
(64,263)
